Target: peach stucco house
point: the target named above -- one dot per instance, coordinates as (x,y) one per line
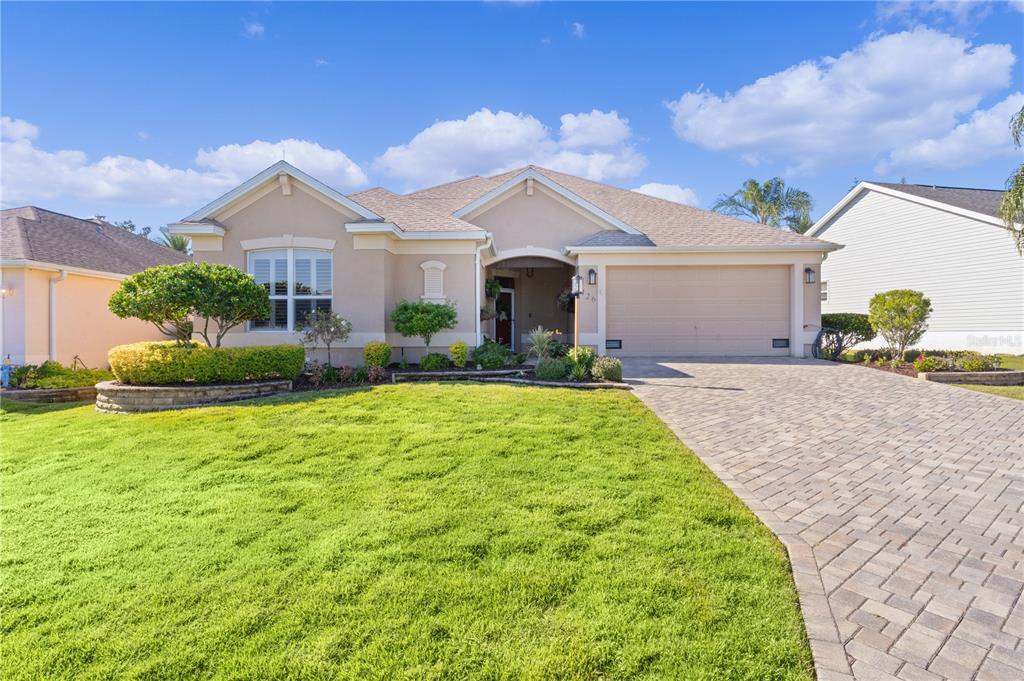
(660,278)
(57,274)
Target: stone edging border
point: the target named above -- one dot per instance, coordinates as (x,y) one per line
(50,395)
(975,377)
(115,398)
(558,384)
(830,661)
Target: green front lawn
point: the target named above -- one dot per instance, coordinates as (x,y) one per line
(1014,391)
(1011,362)
(411,531)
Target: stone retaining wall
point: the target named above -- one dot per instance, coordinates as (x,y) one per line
(116,398)
(977,377)
(51,395)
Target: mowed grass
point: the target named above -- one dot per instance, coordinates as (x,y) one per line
(1013,391)
(403,532)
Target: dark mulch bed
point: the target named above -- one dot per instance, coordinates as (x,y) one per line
(905,370)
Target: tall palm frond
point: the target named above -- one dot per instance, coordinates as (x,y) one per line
(1011,209)
(175,241)
(770,203)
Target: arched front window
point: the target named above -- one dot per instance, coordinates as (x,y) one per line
(298,281)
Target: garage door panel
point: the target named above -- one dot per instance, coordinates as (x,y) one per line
(698,310)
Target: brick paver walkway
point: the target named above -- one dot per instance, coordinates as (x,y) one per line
(901,503)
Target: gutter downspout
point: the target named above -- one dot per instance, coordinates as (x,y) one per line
(476,298)
(53,312)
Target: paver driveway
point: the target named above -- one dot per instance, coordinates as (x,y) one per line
(900,501)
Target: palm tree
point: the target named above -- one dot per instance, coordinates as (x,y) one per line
(1011,210)
(770,203)
(175,241)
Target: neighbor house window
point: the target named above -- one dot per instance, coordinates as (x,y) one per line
(433,280)
(824,291)
(297,280)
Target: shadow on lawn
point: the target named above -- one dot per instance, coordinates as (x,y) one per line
(9,406)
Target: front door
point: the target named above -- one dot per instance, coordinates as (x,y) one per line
(505,323)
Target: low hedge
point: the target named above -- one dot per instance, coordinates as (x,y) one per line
(167,363)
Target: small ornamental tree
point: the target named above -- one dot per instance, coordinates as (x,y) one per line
(423,319)
(157,295)
(168,296)
(900,317)
(843,330)
(324,327)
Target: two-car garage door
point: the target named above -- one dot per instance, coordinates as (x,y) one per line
(666,311)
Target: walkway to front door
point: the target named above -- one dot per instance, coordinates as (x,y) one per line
(901,503)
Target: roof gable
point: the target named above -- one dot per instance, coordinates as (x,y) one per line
(280,168)
(528,175)
(977,204)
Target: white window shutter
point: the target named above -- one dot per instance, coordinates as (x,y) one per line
(433,280)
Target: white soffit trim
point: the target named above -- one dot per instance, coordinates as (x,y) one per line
(808,248)
(392,230)
(531,174)
(195,230)
(270,173)
(53,267)
(823,223)
(287,241)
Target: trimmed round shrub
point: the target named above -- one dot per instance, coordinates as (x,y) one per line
(607,369)
(169,363)
(923,363)
(377,354)
(978,362)
(550,369)
(460,353)
(491,355)
(435,361)
(842,330)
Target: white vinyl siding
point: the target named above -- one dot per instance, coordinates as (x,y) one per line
(969,269)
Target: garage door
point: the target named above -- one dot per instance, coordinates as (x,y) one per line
(697,310)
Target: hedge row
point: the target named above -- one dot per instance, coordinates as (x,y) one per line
(167,363)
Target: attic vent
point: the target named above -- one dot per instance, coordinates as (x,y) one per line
(433,280)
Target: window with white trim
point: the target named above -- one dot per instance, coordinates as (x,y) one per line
(824,291)
(298,281)
(433,280)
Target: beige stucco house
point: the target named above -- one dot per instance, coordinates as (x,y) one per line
(57,275)
(660,278)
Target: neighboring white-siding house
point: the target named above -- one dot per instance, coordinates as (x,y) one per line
(945,241)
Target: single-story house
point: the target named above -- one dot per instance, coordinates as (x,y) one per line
(660,278)
(948,242)
(57,275)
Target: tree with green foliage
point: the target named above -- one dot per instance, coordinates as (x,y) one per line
(169,296)
(423,319)
(770,203)
(900,317)
(324,328)
(1011,209)
(843,330)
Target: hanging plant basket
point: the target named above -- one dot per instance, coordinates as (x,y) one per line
(492,287)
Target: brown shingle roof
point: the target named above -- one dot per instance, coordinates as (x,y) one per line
(31,233)
(663,223)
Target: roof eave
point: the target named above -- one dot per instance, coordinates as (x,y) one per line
(823,247)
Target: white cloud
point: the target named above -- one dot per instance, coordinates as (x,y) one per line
(15,129)
(670,192)
(1017,5)
(956,13)
(594,145)
(888,92)
(253,29)
(597,128)
(578,29)
(986,134)
(320,62)
(143,135)
(30,174)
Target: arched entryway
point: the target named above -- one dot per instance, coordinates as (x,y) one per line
(525,290)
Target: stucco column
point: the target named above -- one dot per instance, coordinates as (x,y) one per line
(796,311)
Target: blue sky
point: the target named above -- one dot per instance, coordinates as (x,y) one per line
(147,111)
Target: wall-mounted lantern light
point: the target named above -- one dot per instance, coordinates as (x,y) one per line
(809,275)
(577,285)
(592,277)
(6,292)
